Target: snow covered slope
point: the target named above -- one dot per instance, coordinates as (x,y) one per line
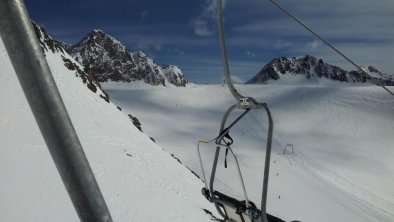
(139,181)
(342,169)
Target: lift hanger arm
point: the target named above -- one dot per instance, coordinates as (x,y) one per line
(227,75)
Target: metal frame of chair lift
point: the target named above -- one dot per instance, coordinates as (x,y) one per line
(220,200)
(230,208)
(247,103)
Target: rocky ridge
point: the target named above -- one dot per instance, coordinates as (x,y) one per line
(110,60)
(48,43)
(312,67)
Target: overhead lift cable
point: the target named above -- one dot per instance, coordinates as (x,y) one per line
(375,81)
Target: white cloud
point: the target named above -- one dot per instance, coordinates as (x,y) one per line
(281,44)
(205,23)
(313,45)
(235,79)
(138,39)
(250,53)
(178,51)
(143,16)
(361,29)
(201,27)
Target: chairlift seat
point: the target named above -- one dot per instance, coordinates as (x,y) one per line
(234,209)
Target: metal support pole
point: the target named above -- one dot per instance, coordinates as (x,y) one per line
(215,161)
(267,162)
(222,130)
(49,111)
(250,103)
(227,75)
(241,179)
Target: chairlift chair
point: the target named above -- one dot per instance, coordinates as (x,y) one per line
(230,208)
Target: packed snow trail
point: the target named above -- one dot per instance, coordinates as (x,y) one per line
(376,207)
(139,181)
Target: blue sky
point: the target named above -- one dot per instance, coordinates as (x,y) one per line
(183,32)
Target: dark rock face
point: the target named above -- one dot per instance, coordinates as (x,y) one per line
(49,44)
(384,78)
(148,69)
(112,61)
(312,67)
(46,42)
(174,75)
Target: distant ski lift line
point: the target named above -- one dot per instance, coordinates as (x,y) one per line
(375,81)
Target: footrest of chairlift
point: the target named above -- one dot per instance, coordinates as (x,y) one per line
(237,210)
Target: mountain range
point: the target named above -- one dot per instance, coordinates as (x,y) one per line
(134,174)
(110,60)
(311,67)
(104,59)
(342,159)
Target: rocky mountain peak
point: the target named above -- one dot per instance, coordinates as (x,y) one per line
(140,54)
(98,31)
(48,44)
(174,75)
(96,45)
(110,60)
(312,67)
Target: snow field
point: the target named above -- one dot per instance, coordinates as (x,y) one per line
(139,181)
(342,136)
(340,171)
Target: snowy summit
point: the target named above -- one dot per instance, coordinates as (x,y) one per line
(109,60)
(310,67)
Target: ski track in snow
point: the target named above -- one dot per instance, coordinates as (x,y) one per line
(341,188)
